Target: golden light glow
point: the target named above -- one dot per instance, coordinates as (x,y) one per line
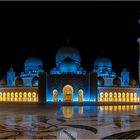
(29,94)
(80,110)
(55,95)
(80,95)
(118,97)
(68,111)
(68,93)
(118,108)
(18,97)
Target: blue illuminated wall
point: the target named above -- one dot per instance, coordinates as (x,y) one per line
(59,81)
(11,77)
(125,78)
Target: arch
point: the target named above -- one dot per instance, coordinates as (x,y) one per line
(20,96)
(8,96)
(110,96)
(119,97)
(4,96)
(115,97)
(34,94)
(34,97)
(55,95)
(135,97)
(0,96)
(29,94)
(12,96)
(68,93)
(131,97)
(127,97)
(16,96)
(80,95)
(106,97)
(25,97)
(123,97)
(101,97)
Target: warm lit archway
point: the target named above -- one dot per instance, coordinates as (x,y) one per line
(55,95)
(80,95)
(68,93)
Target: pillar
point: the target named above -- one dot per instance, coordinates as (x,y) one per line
(138,40)
(93,86)
(42,87)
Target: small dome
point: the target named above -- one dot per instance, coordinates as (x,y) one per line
(133,83)
(19,81)
(3,81)
(103,64)
(68,52)
(116,81)
(100,81)
(35,81)
(33,62)
(68,65)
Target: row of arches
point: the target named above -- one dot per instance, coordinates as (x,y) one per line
(118,108)
(68,94)
(18,96)
(118,97)
(19,81)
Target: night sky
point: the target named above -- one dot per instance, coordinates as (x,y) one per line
(92,27)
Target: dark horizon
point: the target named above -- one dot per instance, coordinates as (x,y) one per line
(92,27)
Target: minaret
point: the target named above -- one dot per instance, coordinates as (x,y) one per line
(138,40)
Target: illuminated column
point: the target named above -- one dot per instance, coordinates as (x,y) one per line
(138,40)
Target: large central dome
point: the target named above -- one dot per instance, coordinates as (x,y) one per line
(68,65)
(68,52)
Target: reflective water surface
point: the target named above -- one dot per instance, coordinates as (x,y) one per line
(70,122)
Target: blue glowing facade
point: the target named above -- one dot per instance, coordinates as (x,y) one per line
(68,71)
(32,67)
(11,77)
(68,61)
(69,81)
(103,68)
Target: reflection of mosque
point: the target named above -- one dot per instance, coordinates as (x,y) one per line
(68,81)
(70,111)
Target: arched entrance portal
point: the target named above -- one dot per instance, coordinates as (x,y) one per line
(68,93)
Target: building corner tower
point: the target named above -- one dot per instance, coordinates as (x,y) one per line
(138,40)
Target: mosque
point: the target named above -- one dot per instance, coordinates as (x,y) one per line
(68,81)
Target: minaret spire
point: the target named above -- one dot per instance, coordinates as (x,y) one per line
(138,40)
